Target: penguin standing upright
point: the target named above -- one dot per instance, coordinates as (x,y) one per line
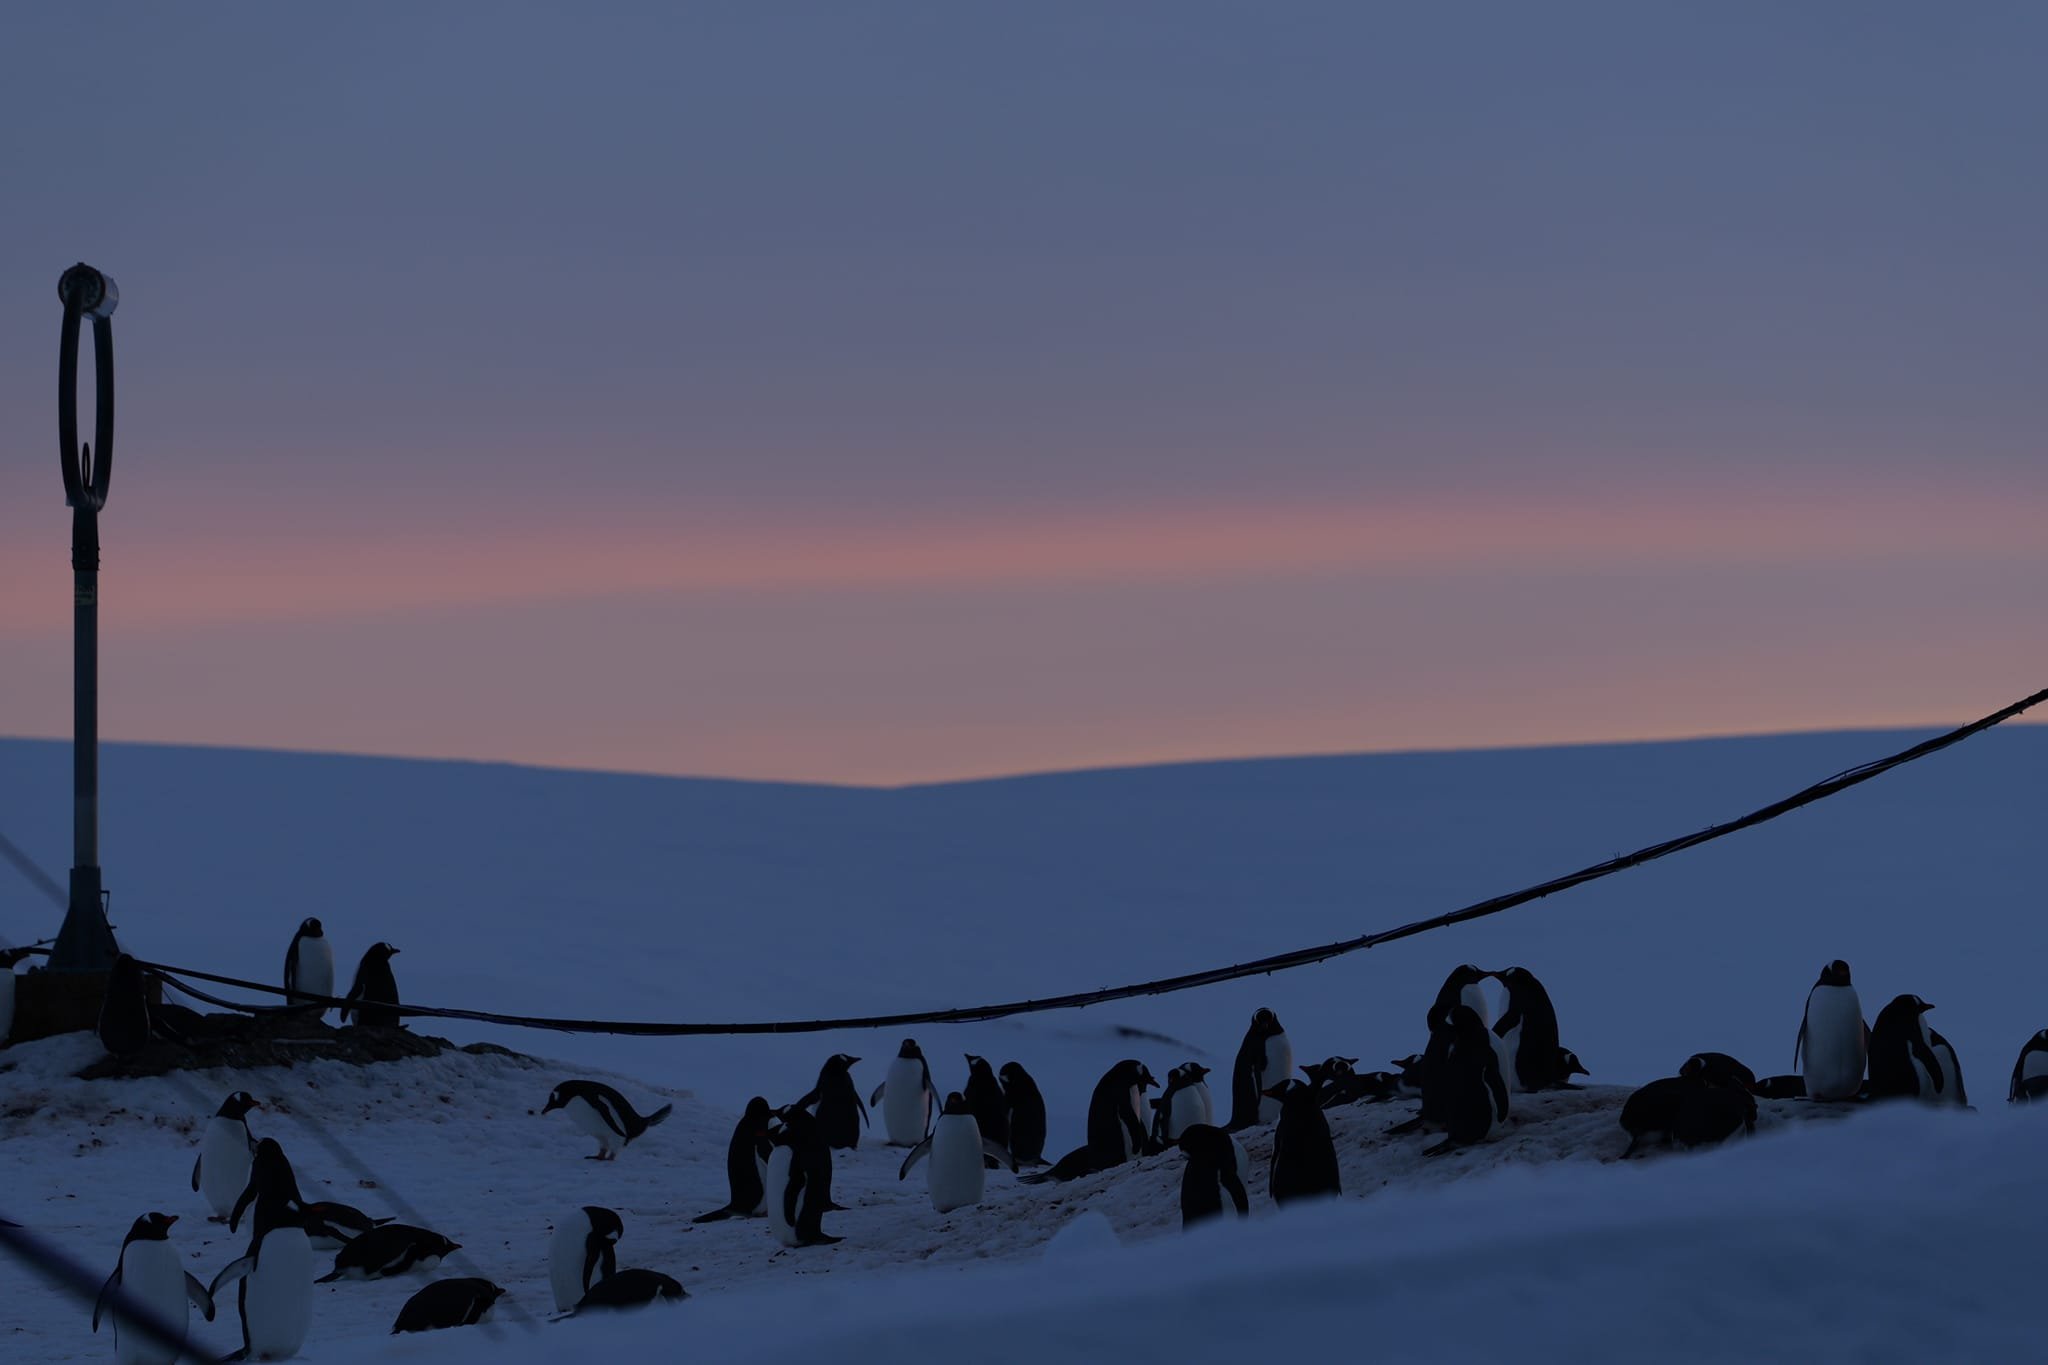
(226,1147)
(1116,1125)
(1903,1062)
(604,1114)
(984,1096)
(746,1164)
(274,1293)
(1264,1059)
(800,1180)
(1527,1028)
(905,1096)
(2030,1072)
(1304,1156)
(837,1104)
(125,1024)
(958,1150)
(1025,1110)
(10,958)
(1467,1094)
(309,963)
(1186,1101)
(149,1273)
(1212,1172)
(584,1243)
(1833,1040)
(375,990)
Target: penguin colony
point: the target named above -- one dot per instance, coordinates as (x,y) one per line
(779,1160)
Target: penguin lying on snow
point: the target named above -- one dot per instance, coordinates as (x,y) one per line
(153,1279)
(393,1249)
(840,1113)
(957,1149)
(1781,1088)
(1909,1059)
(582,1251)
(2030,1072)
(1264,1059)
(1706,1103)
(906,1097)
(630,1289)
(331,1226)
(447,1303)
(1718,1068)
(746,1164)
(1026,1115)
(375,990)
(1211,1172)
(1116,1126)
(603,1113)
(1833,1042)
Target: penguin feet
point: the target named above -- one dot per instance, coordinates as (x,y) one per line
(1443,1148)
(1410,1126)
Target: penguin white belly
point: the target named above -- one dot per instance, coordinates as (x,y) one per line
(1279,1066)
(761,1166)
(957,1176)
(223,1163)
(565,1259)
(585,1116)
(153,1276)
(1191,1105)
(906,1104)
(316,966)
(1124,1130)
(1474,997)
(1244,1159)
(1834,1057)
(775,1185)
(6,1004)
(277,1296)
(1506,1049)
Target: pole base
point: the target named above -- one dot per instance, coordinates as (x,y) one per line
(85,943)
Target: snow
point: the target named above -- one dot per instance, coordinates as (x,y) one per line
(604,895)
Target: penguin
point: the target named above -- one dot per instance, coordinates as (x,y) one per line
(151,1277)
(331,1226)
(374,991)
(447,1303)
(309,964)
(274,1281)
(1527,1029)
(1409,1070)
(10,958)
(1568,1066)
(1462,987)
(746,1165)
(1212,1171)
(226,1149)
(1833,1040)
(1335,1081)
(1184,1102)
(1902,1057)
(393,1249)
(800,1180)
(2030,1072)
(1706,1102)
(1951,1086)
(631,1289)
(1025,1111)
(603,1113)
(1264,1059)
(1304,1161)
(1718,1068)
(905,1097)
(984,1095)
(958,1149)
(1116,1125)
(1466,1093)
(125,1026)
(839,1110)
(582,1251)
(1652,1110)
(1781,1088)
(1709,1114)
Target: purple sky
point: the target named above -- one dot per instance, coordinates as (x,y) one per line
(885,392)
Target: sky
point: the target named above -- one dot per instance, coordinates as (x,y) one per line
(897,392)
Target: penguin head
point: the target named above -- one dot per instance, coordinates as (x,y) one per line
(151,1227)
(557,1097)
(1836,973)
(434,1244)
(1136,1071)
(1265,1023)
(2038,1040)
(976,1066)
(1718,1068)
(1205,1142)
(237,1105)
(758,1115)
(1339,1066)
(604,1223)
(840,1061)
(956,1103)
(1013,1074)
(911,1050)
(309,928)
(1408,1063)
(1569,1065)
(380,952)
(1285,1090)
(1193,1072)
(1917,1005)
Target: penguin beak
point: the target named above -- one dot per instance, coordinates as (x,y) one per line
(170,1218)
(1273,1094)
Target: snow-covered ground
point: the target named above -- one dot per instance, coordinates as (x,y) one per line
(585,894)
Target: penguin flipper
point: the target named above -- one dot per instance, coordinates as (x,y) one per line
(997,1153)
(232,1271)
(106,1294)
(195,1171)
(1444,1148)
(1237,1195)
(232,1356)
(1799,1043)
(658,1115)
(876,1098)
(917,1154)
(196,1292)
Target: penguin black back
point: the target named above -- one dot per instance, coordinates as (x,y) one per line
(1531,1022)
(1248,1079)
(1025,1113)
(1115,1131)
(447,1303)
(1211,1173)
(985,1100)
(271,1179)
(124,1025)
(1468,1093)
(840,1112)
(2030,1071)
(749,1146)
(375,990)
(1897,1040)
(631,1289)
(1304,1156)
(809,1192)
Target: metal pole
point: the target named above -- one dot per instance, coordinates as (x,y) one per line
(85,943)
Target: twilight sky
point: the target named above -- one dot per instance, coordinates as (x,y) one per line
(884,392)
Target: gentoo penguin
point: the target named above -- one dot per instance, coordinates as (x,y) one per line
(1409,1070)
(331,1226)
(1185,1102)
(1462,987)
(393,1249)
(1304,1158)
(274,1281)
(631,1289)
(957,1148)
(1718,1068)
(154,1280)
(603,1113)
(1568,1066)
(1264,1059)
(447,1303)
(1025,1108)
(839,1110)
(1710,1114)
(905,1096)
(1952,1091)
(374,991)
(1116,1125)
(582,1252)
(1527,1029)
(1212,1172)
(746,1165)
(1833,1040)
(1902,1057)
(984,1095)
(1335,1081)
(10,958)
(1466,1094)
(309,962)
(271,1172)
(226,1147)
(799,1180)
(2030,1072)
(124,1026)
(1707,1101)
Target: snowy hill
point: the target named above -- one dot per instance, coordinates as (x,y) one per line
(584,894)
